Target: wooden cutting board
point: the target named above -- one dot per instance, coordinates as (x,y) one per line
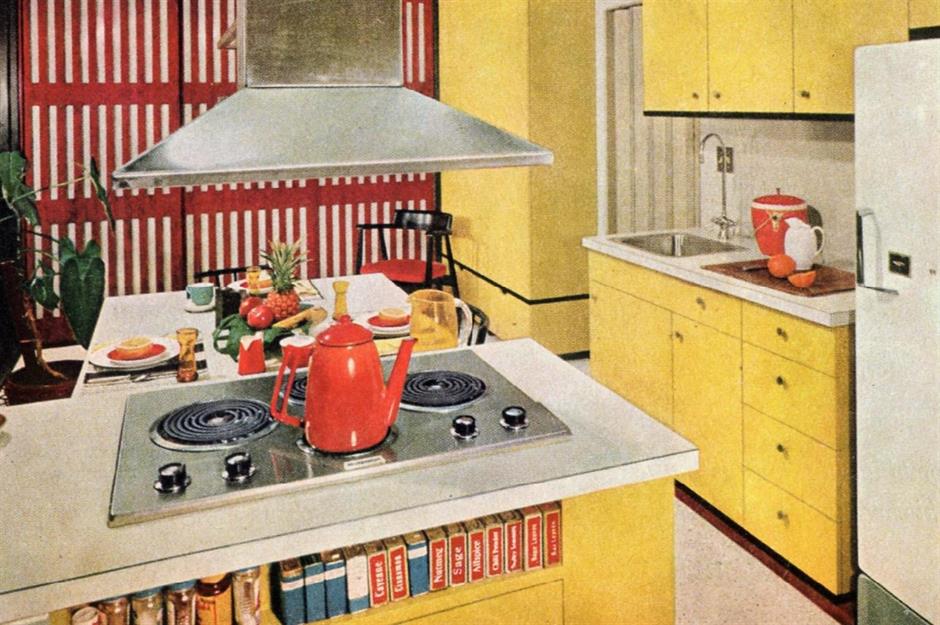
(828,279)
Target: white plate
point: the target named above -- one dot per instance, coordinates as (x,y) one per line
(196,308)
(241,285)
(99,357)
(382,331)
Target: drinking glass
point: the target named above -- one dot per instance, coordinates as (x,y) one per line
(186,370)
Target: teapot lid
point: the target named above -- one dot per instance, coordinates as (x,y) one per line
(344,333)
(779,201)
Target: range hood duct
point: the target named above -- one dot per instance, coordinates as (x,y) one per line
(321,94)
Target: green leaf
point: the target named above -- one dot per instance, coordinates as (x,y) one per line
(42,289)
(81,286)
(18,196)
(100,192)
(228,334)
(272,334)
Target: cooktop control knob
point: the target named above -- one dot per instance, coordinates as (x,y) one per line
(464,427)
(514,418)
(238,467)
(172,478)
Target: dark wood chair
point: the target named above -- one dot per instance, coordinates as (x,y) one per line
(481,325)
(414,273)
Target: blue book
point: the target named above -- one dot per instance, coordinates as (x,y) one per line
(291,592)
(418,580)
(334,576)
(357,578)
(314,588)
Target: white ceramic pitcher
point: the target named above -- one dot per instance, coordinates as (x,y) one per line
(800,243)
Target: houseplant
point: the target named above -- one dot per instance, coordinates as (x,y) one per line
(81,282)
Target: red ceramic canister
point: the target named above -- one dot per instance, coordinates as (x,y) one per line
(768,215)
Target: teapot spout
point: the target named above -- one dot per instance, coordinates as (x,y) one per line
(396,381)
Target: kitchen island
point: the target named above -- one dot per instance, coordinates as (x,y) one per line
(613,475)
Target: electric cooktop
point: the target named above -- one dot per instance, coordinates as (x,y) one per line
(185,449)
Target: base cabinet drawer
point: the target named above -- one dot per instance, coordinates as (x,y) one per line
(802,466)
(802,535)
(816,346)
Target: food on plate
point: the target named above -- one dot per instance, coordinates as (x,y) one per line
(314,315)
(261,317)
(248,304)
(393,315)
(134,347)
(284,259)
(803,279)
(781,265)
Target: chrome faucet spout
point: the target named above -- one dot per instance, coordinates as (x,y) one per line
(725,224)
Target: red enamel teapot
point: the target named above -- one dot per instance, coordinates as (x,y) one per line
(348,406)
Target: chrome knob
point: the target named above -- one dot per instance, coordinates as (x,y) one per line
(238,467)
(514,418)
(464,427)
(172,478)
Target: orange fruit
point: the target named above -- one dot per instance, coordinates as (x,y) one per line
(803,279)
(781,265)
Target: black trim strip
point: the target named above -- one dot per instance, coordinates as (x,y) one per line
(813,117)
(575,355)
(519,296)
(927,32)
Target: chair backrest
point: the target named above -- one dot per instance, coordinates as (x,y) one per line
(481,324)
(432,221)
(229,274)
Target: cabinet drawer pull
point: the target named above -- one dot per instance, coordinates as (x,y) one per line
(695,95)
(679,336)
(717,95)
(781,449)
(804,94)
(783,516)
(782,333)
(780,381)
(700,302)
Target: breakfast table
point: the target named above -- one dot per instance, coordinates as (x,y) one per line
(160,314)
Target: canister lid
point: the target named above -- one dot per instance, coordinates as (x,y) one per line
(181,585)
(779,201)
(85,616)
(143,594)
(344,333)
(213,579)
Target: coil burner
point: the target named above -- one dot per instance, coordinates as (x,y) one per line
(214,424)
(298,392)
(440,391)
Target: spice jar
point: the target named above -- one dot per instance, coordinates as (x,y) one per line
(246,595)
(87,615)
(116,611)
(181,603)
(214,600)
(147,607)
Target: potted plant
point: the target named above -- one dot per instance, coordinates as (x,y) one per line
(81,284)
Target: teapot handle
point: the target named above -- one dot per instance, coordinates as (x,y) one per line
(463,335)
(822,238)
(280,412)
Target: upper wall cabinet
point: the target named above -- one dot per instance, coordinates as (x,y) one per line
(924,13)
(825,35)
(760,56)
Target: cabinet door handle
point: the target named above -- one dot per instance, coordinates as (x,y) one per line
(783,516)
(679,336)
(695,95)
(781,448)
(700,302)
(782,333)
(804,94)
(780,381)
(717,95)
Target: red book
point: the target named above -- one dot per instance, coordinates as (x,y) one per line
(397,567)
(512,533)
(456,553)
(551,529)
(476,550)
(532,533)
(377,559)
(494,545)
(437,558)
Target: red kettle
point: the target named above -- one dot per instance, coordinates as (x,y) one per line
(348,405)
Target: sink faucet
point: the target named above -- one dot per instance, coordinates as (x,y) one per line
(725,224)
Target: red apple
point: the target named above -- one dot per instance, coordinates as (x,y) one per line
(248,304)
(260,317)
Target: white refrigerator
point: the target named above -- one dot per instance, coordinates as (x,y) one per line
(897,332)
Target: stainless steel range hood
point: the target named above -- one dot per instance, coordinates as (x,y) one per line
(322,95)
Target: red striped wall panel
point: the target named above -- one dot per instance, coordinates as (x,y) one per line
(108,78)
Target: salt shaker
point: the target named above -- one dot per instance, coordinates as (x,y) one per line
(340,307)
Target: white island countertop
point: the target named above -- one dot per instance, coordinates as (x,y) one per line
(833,310)
(57,467)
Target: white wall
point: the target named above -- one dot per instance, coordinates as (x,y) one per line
(809,159)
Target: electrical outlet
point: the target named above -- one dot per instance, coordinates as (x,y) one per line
(724,159)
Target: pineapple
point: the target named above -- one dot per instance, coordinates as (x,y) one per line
(283,258)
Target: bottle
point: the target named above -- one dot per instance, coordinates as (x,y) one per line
(214,600)
(181,603)
(147,606)
(116,611)
(246,596)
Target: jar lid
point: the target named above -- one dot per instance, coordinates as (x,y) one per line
(247,569)
(181,585)
(778,201)
(143,594)
(344,333)
(88,615)
(213,579)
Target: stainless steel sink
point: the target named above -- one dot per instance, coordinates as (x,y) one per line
(677,244)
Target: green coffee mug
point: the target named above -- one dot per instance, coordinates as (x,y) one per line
(200,293)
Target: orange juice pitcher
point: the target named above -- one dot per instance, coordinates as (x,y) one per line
(434,321)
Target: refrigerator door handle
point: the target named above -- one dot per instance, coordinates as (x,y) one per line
(860,216)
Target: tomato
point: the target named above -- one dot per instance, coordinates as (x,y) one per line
(248,304)
(781,266)
(802,280)
(260,317)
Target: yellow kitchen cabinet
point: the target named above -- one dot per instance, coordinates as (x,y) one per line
(536,605)
(765,396)
(631,349)
(526,66)
(923,13)
(823,55)
(675,45)
(707,410)
(750,56)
